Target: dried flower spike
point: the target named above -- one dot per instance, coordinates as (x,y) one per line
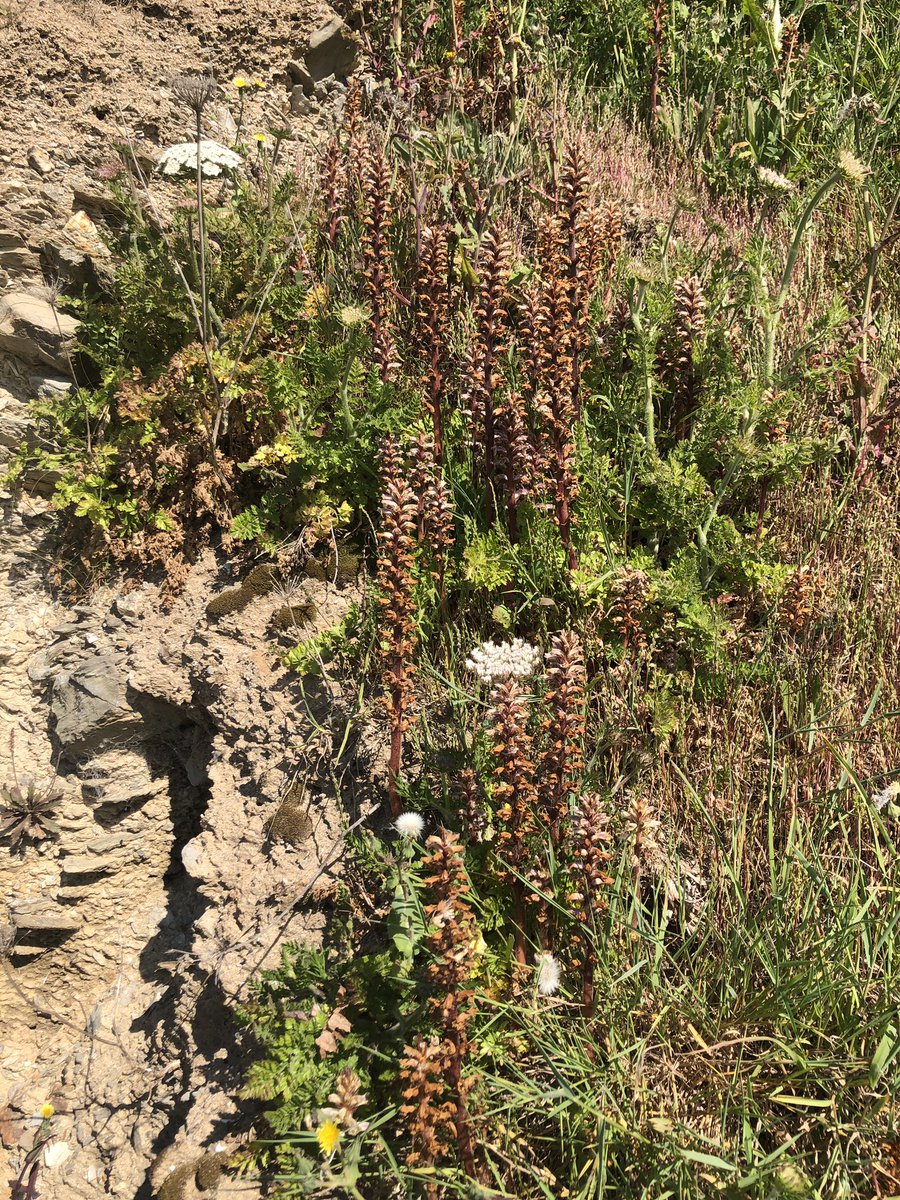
(396,584)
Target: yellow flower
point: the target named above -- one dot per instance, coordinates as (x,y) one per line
(261,138)
(240,81)
(257,82)
(46,1111)
(328,1136)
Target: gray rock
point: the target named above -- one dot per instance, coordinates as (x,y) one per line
(33,330)
(15,422)
(50,387)
(90,705)
(125,606)
(299,74)
(16,257)
(332,50)
(301,104)
(69,265)
(112,841)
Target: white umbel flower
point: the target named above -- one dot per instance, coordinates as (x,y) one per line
(883,798)
(182,159)
(410,825)
(492,661)
(549,974)
(774,180)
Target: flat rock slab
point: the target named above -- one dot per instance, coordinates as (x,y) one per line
(60,920)
(35,331)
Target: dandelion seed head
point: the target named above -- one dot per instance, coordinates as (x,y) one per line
(549,974)
(882,799)
(410,825)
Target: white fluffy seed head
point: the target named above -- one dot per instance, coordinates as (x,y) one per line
(493,661)
(549,974)
(410,825)
(883,798)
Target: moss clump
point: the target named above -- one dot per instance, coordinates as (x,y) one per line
(340,567)
(210,1168)
(291,822)
(292,615)
(259,582)
(176,1186)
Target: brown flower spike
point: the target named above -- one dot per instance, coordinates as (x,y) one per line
(396,542)
(514,795)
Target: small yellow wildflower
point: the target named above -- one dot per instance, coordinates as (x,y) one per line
(240,82)
(258,83)
(46,1111)
(328,1136)
(261,138)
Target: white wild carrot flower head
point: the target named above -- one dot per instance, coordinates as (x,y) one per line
(549,973)
(774,180)
(182,158)
(492,661)
(410,825)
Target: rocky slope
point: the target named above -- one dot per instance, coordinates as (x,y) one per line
(199,802)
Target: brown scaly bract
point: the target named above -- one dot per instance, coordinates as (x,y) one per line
(433,312)
(589,842)
(629,597)
(470,801)
(549,361)
(515,470)
(434,508)
(334,190)
(563,761)
(489,344)
(438,1114)
(429,1117)
(395,581)
(676,352)
(514,795)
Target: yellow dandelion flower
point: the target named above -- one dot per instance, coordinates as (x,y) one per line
(261,138)
(328,1136)
(240,81)
(46,1111)
(258,83)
